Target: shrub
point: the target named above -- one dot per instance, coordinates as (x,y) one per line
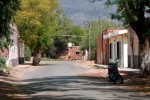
(2,62)
(27,53)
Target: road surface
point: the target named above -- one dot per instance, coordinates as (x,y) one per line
(61,80)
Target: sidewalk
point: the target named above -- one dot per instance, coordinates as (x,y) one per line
(91,63)
(136,71)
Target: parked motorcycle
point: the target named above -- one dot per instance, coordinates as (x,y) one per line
(113,74)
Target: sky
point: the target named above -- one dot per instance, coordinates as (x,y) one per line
(82,10)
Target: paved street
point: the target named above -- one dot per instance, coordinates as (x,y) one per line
(68,81)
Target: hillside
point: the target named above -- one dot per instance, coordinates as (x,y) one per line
(82,10)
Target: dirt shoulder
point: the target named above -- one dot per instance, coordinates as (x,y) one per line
(93,72)
(8,83)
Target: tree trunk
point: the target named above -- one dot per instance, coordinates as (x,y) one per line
(37,53)
(145,56)
(36,58)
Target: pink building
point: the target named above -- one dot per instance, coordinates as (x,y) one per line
(74,53)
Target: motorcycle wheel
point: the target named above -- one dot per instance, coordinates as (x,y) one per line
(114,81)
(120,79)
(114,78)
(110,77)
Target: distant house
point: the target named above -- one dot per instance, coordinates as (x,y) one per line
(118,44)
(74,52)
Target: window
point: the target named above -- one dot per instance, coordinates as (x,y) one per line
(118,50)
(77,52)
(110,50)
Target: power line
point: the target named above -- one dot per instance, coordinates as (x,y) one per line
(71,36)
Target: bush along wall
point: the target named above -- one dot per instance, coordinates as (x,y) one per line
(2,63)
(27,53)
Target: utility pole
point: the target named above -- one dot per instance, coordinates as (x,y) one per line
(71,36)
(101,32)
(89,39)
(100,22)
(109,21)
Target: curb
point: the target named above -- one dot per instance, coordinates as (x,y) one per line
(135,71)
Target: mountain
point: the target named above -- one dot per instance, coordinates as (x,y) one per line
(82,10)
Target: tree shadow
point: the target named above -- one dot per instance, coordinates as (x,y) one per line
(26,63)
(40,64)
(134,80)
(8,91)
(73,88)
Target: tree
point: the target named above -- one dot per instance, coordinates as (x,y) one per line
(58,46)
(76,33)
(8,9)
(71,31)
(36,21)
(135,13)
(66,32)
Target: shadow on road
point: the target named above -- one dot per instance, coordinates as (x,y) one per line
(8,91)
(73,88)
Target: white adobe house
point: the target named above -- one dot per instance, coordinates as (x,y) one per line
(16,49)
(118,47)
(122,45)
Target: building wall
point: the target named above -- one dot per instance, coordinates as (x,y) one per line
(21,52)
(13,57)
(125,50)
(74,53)
(103,47)
(103,56)
(136,56)
(123,61)
(99,49)
(105,44)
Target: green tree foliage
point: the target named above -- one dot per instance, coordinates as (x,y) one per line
(64,24)
(27,53)
(69,31)
(66,32)
(77,33)
(37,22)
(134,13)
(3,43)
(59,45)
(2,63)
(8,9)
